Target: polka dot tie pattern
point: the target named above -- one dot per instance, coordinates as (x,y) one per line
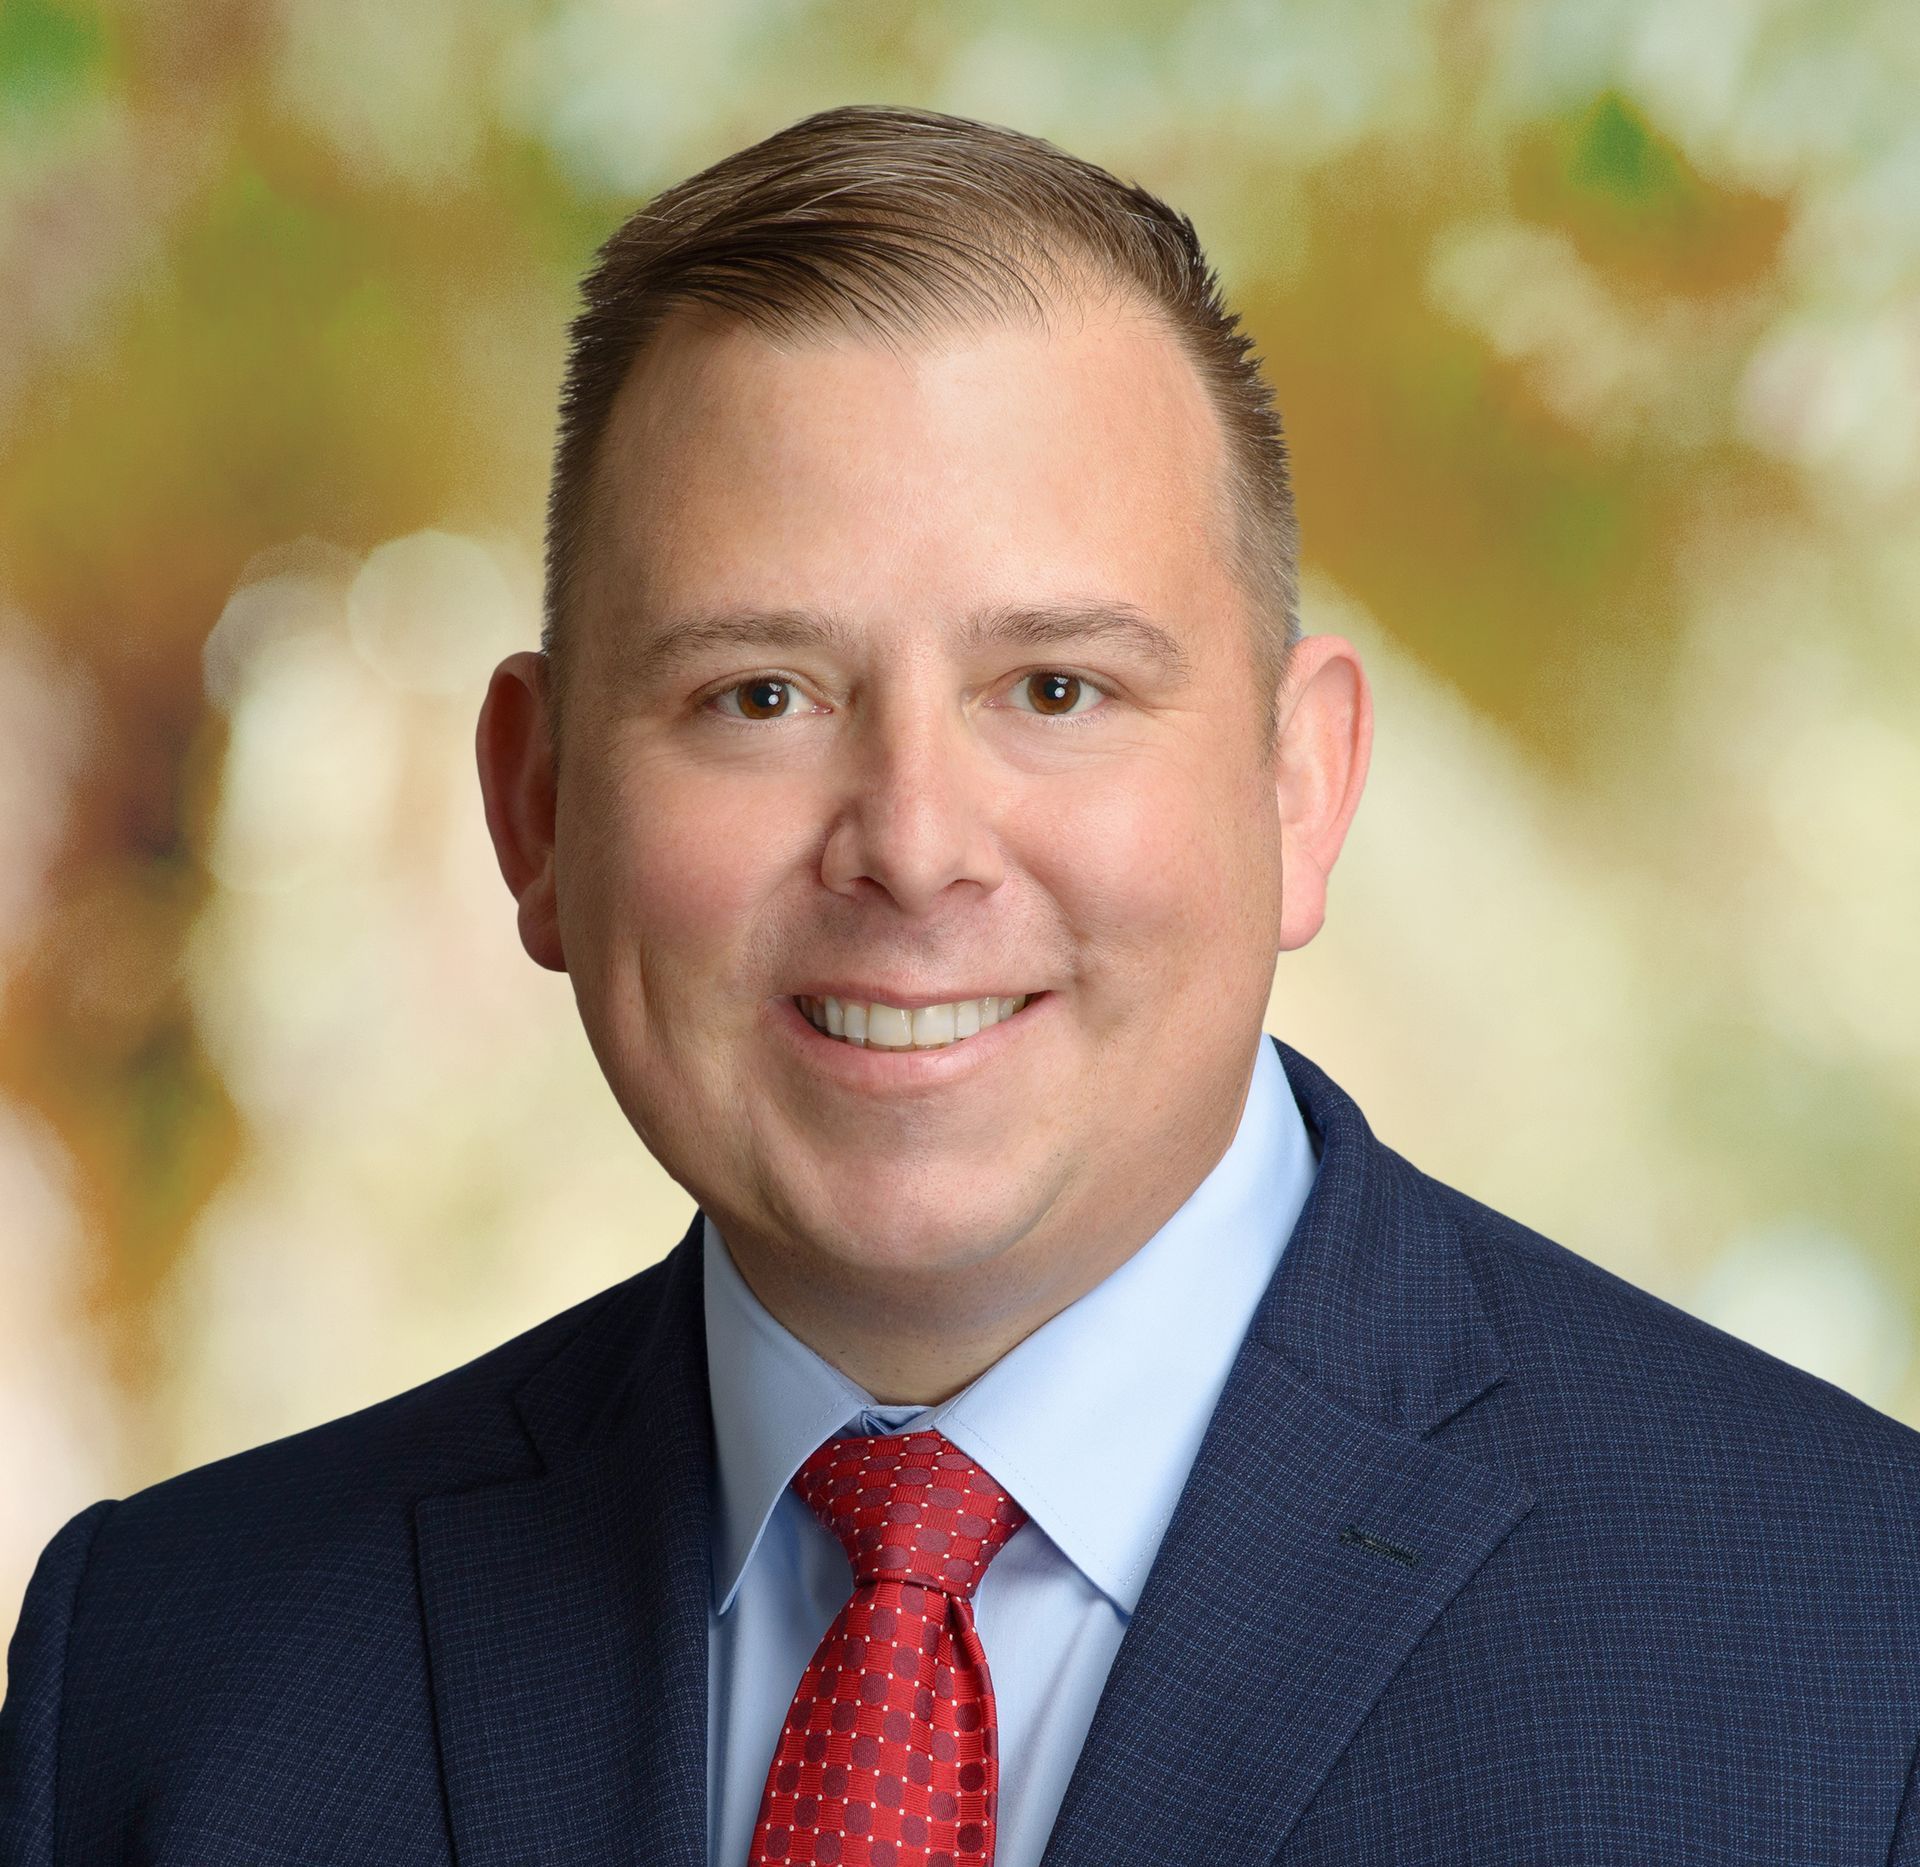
(889,1755)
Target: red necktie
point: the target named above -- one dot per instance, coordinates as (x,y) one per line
(889,1757)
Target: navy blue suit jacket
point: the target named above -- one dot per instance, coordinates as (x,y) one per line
(1488,1557)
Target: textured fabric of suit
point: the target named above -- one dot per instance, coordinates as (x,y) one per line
(1488,1556)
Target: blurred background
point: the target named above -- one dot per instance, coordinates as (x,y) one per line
(1596,329)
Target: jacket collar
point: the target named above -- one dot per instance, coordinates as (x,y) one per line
(566,1611)
(1374,1305)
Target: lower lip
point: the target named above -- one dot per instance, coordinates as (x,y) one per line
(865,1067)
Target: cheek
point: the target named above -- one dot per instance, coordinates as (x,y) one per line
(1138,861)
(672,875)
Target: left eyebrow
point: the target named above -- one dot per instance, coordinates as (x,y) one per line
(1023,625)
(1055,625)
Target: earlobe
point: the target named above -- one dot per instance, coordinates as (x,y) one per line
(540,924)
(1303,898)
(1320,769)
(513,749)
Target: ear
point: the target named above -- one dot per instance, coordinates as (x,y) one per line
(513,745)
(1321,749)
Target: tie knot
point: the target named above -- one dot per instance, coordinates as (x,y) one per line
(910,1507)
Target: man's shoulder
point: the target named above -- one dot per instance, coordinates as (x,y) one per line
(367,1467)
(291,1566)
(1611,1357)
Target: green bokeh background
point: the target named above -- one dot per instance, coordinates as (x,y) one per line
(1596,332)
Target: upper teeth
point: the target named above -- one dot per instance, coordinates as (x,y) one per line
(889,1027)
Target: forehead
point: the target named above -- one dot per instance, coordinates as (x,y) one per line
(1010,463)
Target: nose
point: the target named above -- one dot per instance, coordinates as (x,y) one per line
(915,806)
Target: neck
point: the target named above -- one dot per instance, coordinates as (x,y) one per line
(918,1337)
(884,1339)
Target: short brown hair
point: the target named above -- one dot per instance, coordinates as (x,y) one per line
(899,221)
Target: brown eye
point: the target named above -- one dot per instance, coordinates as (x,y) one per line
(1055,693)
(753,708)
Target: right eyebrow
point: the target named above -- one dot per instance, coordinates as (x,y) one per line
(675,643)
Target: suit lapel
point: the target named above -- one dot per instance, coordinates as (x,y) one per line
(566,1612)
(1320,1534)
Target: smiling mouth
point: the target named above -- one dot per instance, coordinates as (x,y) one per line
(889,1027)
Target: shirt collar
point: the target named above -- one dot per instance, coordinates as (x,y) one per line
(1092,1421)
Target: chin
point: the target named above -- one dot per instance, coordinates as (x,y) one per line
(873,1231)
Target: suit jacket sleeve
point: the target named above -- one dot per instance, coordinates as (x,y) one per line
(36,1680)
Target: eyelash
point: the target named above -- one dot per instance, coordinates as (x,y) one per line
(788,680)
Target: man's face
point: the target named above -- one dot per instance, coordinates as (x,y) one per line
(919,808)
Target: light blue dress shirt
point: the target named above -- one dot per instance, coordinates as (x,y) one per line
(1092,1423)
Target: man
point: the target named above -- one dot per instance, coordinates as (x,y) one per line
(1064,1430)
